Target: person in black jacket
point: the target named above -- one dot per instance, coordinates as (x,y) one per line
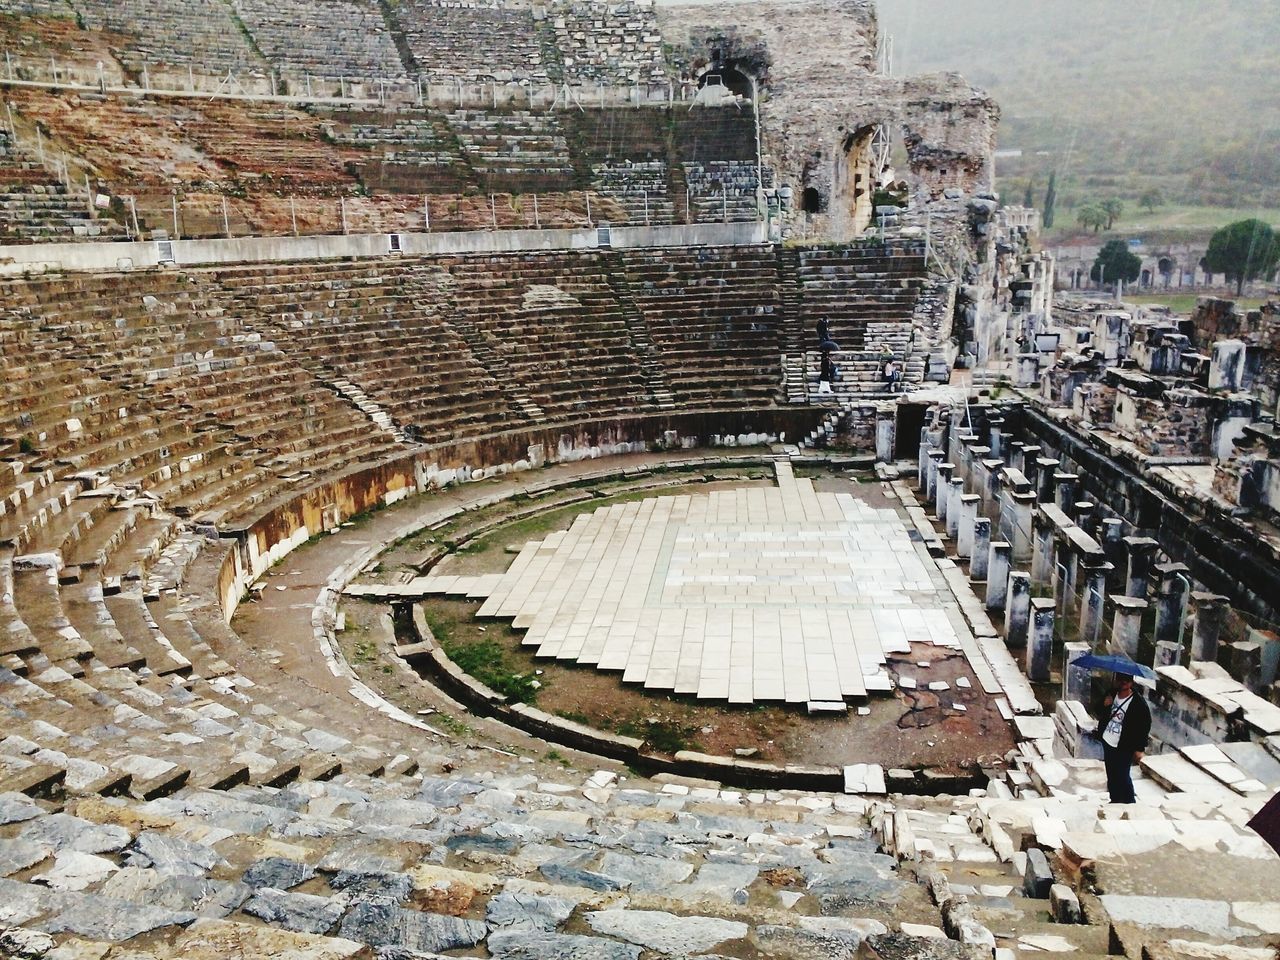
(1124,730)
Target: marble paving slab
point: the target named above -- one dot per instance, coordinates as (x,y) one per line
(784,594)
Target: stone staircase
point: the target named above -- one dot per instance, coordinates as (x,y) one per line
(646,355)
(1040,861)
(520,860)
(369,408)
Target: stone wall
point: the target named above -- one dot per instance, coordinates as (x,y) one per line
(322,507)
(1222,552)
(823,97)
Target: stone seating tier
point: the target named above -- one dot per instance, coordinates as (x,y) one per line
(714,316)
(470,40)
(200,33)
(858,290)
(333,38)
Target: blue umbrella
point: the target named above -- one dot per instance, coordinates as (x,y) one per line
(1114,663)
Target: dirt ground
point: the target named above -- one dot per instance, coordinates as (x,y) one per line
(947,731)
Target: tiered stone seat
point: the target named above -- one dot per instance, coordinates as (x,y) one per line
(472,39)
(34,207)
(381,326)
(36,8)
(202,33)
(287,148)
(162,344)
(609,43)
(867,292)
(336,38)
(723,191)
(554,325)
(139,142)
(521,148)
(640,188)
(413,151)
(714,317)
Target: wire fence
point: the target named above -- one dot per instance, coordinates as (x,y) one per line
(201,79)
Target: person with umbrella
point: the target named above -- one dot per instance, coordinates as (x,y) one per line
(1124,729)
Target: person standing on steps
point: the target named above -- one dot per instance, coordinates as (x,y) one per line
(824,330)
(1124,730)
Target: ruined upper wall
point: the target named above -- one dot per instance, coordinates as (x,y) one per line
(822,95)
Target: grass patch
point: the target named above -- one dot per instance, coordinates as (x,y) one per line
(574,716)
(1185,302)
(487,662)
(485,659)
(452,724)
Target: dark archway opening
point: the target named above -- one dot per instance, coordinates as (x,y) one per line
(911,418)
(728,76)
(811,200)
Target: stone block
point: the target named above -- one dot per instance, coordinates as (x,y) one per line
(1064,903)
(1037,879)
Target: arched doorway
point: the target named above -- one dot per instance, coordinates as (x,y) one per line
(811,200)
(729,77)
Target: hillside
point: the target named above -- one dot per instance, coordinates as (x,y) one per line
(1118,96)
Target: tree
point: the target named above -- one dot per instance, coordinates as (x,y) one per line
(1244,251)
(1028,199)
(1091,216)
(1113,209)
(1051,200)
(1151,199)
(1115,262)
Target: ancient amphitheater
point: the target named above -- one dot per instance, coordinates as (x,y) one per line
(430,526)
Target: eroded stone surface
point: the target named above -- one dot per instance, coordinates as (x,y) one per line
(528,945)
(383,924)
(666,932)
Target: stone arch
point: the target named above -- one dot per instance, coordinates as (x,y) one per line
(854,181)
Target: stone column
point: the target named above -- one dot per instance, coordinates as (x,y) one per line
(953,508)
(1093,596)
(922,459)
(976,482)
(1173,588)
(1168,654)
(1269,664)
(1243,660)
(942,491)
(1082,514)
(1227,365)
(1028,369)
(1211,610)
(1046,469)
(1066,574)
(1126,628)
(1017,609)
(995,427)
(991,496)
(1040,644)
(964,465)
(1023,509)
(968,517)
(1016,458)
(998,575)
(1064,485)
(1030,464)
(1142,557)
(936,458)
(1111,531)
(886,434)
(981,555)
(1076,681)
(1042,549)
